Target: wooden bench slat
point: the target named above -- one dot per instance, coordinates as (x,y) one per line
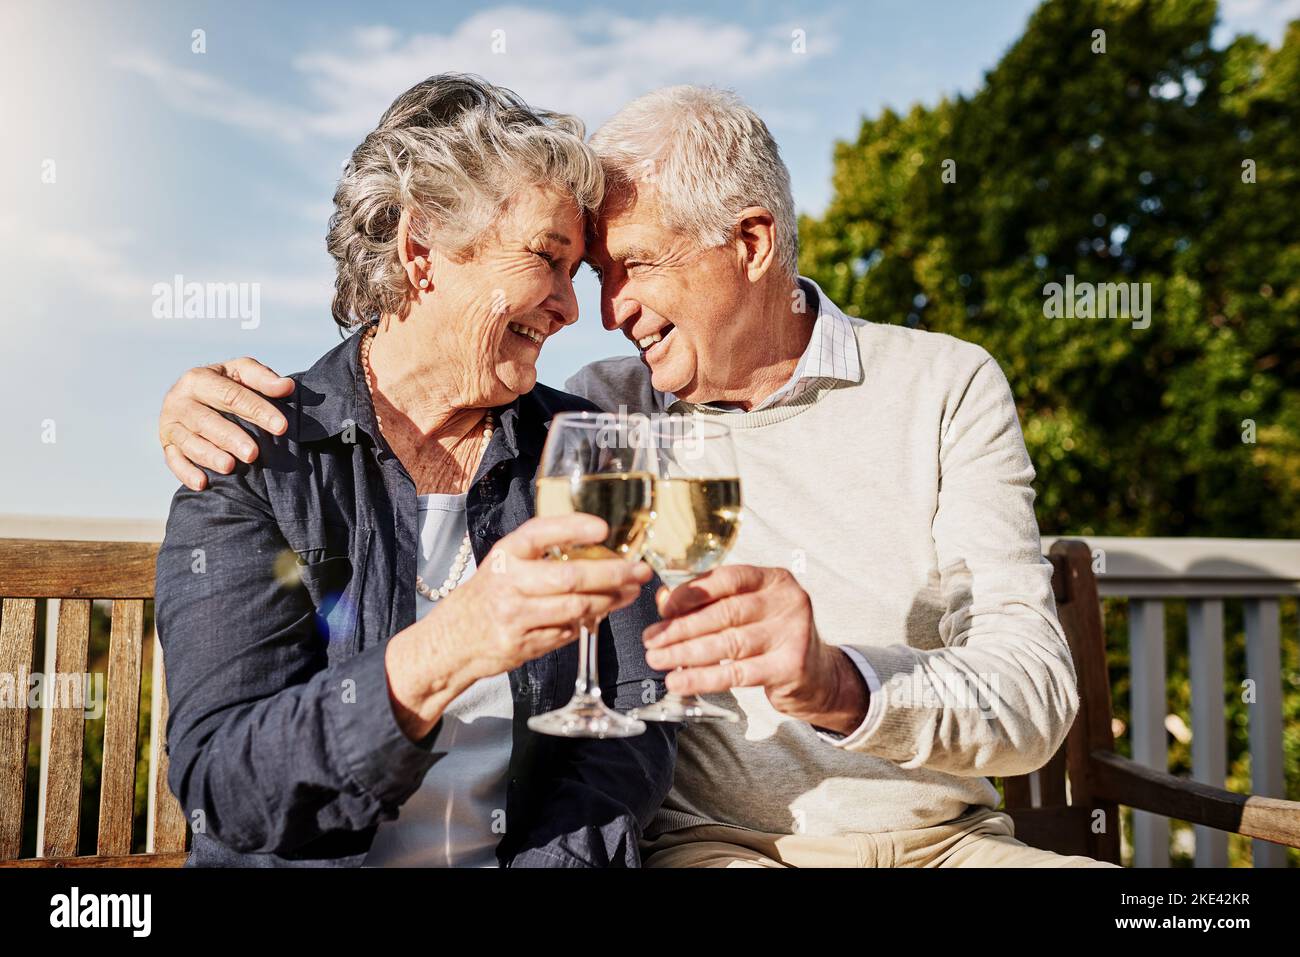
(170,859)
(35,568)
(17,645)
(67,717)
(167,825)
(1063,828)
(1051,780)
(1017,792)
(122,715)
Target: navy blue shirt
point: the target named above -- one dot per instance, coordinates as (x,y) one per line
(278,589)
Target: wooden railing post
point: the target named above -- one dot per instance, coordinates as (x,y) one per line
(1147,720)
(1264,672)
(1209,741)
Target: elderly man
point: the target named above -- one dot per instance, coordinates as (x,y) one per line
(885,623)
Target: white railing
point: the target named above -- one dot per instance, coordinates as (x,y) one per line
(1146,572)
(1203,572)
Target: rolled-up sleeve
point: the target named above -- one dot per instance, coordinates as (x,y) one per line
(271,746)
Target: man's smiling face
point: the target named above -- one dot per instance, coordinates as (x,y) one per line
(674,300)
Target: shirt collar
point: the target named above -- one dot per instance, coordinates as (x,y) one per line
(832,353)
(332,396)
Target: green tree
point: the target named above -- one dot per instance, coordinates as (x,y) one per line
(1110,145)
(1129,165)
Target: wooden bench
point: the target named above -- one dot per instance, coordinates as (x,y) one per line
(1099,779)
(77,572)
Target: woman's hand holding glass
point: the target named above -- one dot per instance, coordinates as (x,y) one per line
(600,464)
(518,606)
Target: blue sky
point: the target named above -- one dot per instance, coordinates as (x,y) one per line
(130,158)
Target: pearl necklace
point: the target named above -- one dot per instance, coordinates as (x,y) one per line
(461,561)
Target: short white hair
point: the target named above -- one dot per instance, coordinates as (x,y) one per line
(452,150)
(706,156)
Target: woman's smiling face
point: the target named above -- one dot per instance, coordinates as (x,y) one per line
(499,303)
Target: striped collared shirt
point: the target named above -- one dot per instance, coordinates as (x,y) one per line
(832,353)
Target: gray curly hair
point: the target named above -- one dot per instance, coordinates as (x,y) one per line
(452,149)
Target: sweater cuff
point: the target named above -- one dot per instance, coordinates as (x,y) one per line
(376,752)
(904,721)
(875,703)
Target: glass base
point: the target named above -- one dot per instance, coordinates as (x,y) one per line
(586,717)
(687,709)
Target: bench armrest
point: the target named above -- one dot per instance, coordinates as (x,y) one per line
(1120,779)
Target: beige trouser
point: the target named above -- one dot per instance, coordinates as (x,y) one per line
(980,838)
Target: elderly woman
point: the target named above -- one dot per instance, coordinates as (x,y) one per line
(332,656)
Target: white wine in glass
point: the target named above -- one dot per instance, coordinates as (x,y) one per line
(622,500)
(696,519)
(600,464)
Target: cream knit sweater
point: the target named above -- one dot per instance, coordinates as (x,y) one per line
(904,506)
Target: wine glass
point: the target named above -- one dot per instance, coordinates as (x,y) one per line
(695,522)
(599,463)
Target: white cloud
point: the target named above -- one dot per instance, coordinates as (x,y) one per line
(588,65)
(202,94)
(106,264)
(98,263)
(1267,19)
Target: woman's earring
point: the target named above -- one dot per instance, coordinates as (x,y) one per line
(424,283)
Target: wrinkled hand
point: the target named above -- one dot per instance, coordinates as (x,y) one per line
(192,432)
(520,605)
(514,608)
(744,626)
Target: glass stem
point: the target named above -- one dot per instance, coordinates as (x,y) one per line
(672,583)
(673,695)
(588,684)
